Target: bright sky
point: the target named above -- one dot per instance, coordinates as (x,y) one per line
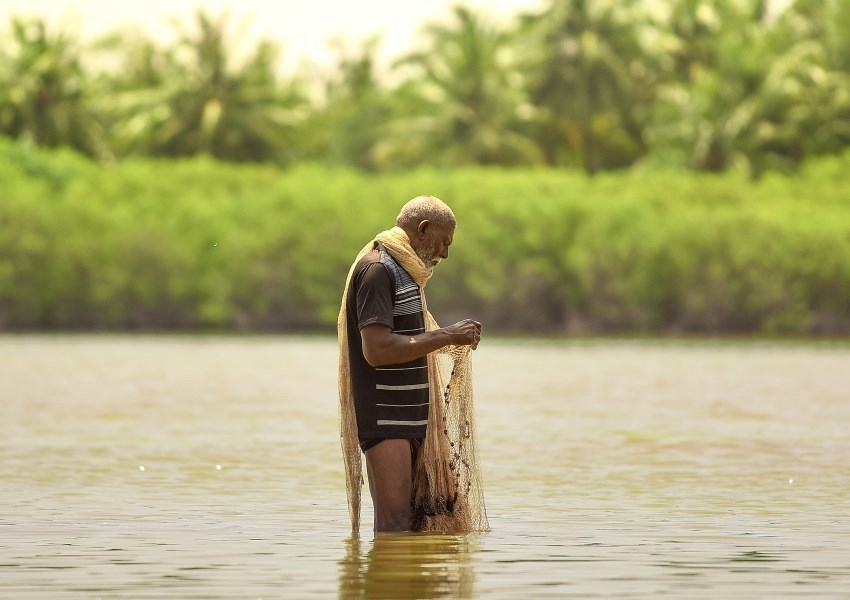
(302,28)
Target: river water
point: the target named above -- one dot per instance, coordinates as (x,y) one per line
(209,467)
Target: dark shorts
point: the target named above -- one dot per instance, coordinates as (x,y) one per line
(370,443)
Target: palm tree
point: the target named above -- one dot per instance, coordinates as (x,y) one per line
(804,105)
(707,101)
(590,80)
(462,99)
(802,109)
(190,99)
(753,90)
(346,128)
(45,92)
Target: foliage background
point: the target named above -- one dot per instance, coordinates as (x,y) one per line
(200,243)
(615,166)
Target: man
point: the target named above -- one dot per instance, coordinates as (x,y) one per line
(385,374)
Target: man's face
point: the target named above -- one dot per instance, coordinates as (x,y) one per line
(434,243)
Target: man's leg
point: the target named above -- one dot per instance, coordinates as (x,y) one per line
(391,484)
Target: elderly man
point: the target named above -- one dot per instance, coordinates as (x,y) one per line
(384,346)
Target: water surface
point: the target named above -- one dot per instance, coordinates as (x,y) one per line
(209,467)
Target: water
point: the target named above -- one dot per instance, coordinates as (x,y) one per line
(209,467)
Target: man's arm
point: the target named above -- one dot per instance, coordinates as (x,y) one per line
(383,347)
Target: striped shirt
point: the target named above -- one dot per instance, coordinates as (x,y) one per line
(391,401)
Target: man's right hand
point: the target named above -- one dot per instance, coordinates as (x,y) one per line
(465,333)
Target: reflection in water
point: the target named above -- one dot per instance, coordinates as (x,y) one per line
(409,565)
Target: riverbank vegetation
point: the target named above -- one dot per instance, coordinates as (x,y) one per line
(203,244)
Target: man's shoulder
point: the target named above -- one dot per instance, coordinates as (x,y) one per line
(373,257)
(399,276)
(372,270)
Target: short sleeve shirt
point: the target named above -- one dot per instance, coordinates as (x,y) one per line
(391,401)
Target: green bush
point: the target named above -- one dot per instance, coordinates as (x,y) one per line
(201,244)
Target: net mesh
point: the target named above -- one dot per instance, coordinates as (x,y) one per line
(447,493)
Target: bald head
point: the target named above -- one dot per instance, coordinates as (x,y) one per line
(430,225)
(425,208)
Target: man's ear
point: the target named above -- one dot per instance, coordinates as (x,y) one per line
(423,225)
